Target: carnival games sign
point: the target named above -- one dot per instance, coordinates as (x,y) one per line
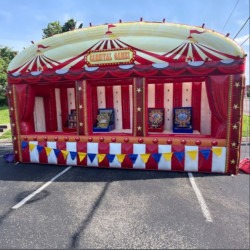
(110,57)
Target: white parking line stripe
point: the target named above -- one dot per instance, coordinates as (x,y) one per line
(200,198)
(22,202)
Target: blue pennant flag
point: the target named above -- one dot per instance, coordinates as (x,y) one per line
(133,157)
(24,144)
(73,155)
(110,157)
(91,157)
(179,155)
(156,157)
(39,148)
(56,151)
(205,153)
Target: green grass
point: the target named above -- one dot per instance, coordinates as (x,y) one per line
(4,115)
(246,126)
(6,135)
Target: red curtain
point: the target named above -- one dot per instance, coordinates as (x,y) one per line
(64,106)
(217,93)
(159,95)
(26,102)
(177,93)
(94,104)
(125,107)
(109,96)
(196,105)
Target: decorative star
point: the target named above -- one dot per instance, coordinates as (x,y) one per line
(14,138)
(237,84)
(81,124)
(232,161)
(16,152)
(235,126)
(139,90)
(139,109)
(11,108)
(236,106)
(79,88)
(139,128)
(233,144)
(80,106)
(13,124)
(10,92)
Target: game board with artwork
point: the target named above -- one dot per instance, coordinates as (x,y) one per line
(105,120)
(183,120)
(155,119)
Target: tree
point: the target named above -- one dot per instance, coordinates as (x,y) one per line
(6,55)
(69,25)
(52,29)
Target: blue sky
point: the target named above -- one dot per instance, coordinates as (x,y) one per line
(22,21)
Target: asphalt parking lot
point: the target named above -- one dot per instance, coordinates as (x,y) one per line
(112,209)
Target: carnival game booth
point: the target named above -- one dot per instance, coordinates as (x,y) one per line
(139,95)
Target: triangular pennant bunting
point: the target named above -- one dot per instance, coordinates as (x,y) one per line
(157,157)
(179,155)
(81,156)
(73,155)
(24,144)
(110,157)
(56,151)
(192,154)
(65,153)
(101,157)
(48,151)
(31,147)
(205,153)
(91,157)
(133,157)
(120,157)
(39,148)
(217,151)
(167,156)
(145,157)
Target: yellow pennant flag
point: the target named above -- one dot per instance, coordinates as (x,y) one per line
(192,154)
(48,150)
(120,157)
(31,147)
(145,157)
(167,156)
(217,151)
(101,157)
(81,156)
(65,154)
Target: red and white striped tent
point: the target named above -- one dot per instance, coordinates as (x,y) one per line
(129,67)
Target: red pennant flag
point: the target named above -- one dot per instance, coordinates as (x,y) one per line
(40,46)
(111,25)
(196,32)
